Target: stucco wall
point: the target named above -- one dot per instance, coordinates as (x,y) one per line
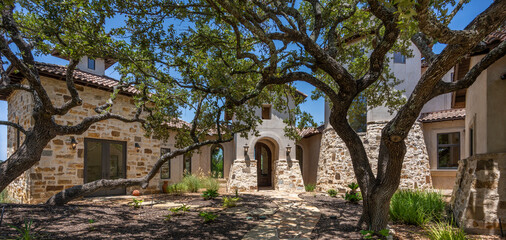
(311,153)
(496,107)
(442,178)
(440,102)
(476,111)
(410,72)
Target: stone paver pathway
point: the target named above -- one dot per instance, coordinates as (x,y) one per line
(295,219)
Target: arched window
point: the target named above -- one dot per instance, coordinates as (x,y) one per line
(217,161)
(299,155)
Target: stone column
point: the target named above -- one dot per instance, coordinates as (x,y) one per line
(243,176)
(479,195)
(287,176)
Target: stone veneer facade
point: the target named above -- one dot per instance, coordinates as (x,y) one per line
(60,166)
(243,176)
(479,194)
(335,169)
(287,175)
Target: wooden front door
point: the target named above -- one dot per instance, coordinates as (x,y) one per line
(104,159)
(263,156)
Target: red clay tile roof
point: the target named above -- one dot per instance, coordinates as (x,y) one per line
(81,77)
(496,37)
(308,132)
(444,115)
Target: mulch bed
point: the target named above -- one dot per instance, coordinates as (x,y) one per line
(339,219)
(117,220)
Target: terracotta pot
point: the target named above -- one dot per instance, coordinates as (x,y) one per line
(164,186)
(136,193)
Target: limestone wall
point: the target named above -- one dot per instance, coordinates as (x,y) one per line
(22,102)
(335,168)
(287,176)
(479,194)
(243,176)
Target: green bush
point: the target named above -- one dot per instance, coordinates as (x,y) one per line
(176,189)
(191,183)
(229,202)
(416,207)
(444,231)
(210,183)
(208,216)
(25,231)
(310,187)
(332,192)
(352,195)
(136,203)
(210,194)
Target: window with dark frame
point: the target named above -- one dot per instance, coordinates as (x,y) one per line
(91,63)
(165,169)
(448,150)
(266,112)
(187,164)
(399,58)
(471,141)
(299,155)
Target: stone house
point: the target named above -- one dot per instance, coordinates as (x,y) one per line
(450,130)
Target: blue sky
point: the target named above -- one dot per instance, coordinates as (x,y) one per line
(316,108)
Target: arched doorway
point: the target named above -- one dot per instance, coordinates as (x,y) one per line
(263,155)
(217,161)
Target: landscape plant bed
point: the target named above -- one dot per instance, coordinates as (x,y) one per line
(99,218)
(339,218)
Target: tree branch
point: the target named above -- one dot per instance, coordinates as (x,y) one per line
(14,125)
(75,99)
(470,77)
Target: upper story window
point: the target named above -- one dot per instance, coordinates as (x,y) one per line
(165,169)
(399,58)
(91,64)
(266,112)
(448,150)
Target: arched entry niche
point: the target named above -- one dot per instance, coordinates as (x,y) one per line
(217,161)
(265,152)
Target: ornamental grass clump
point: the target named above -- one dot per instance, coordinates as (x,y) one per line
(444,231)
(416,207)
(210,183)
(191,183)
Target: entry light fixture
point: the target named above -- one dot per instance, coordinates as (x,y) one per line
(288,149)
(246,148)
(137,147)
(73,142)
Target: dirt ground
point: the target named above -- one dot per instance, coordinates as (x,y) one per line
(114,218)
(105,220)
(339,219)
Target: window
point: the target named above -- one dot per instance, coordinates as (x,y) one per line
(299,155)
(187,164)
(266,112)
(91,63)
(448,150)
(165,169)
(399,58)
(217,157)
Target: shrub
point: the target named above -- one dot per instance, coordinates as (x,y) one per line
(352,195)
(310,187)
(136,203)
(183,208)
(229,202)
(191,183)
(210,183)
(210,194)
(4,198)
(176,189)
(444,231)
(332,192)
(25,232)
(416,207)
(208,216)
